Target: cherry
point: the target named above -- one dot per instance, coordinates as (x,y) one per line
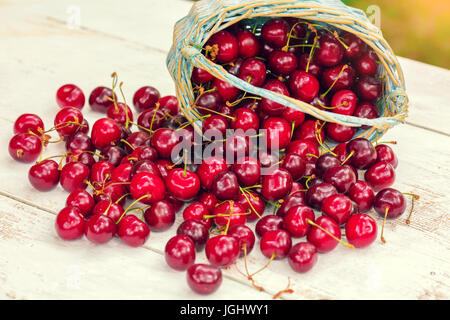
(25,147)
(145,98)
(380,176)
(268,223)
(344,102)
(164,167)
(340,151)
(227,45)
(366,110)
(214,126)
(226,90)
(160,216)
(267,160)
(368,88)
(207,101)
(164,140)
(146,153)
(147,185)
(386,154)
(276,184)
(84,158)
(67,121)
(275,32)
(204,279)
(101,98)
(111,191)
(113,154)
(305,148)
(248,171)
(209,169)
(109,209)
(341,177)
(70,224)
(294,164)
(303,86)
(196,231)
(180,252)
(362,194)
(133,231)
(324,162)
(69,95)
(183,184)
(169,104)
(197,211)
(367,65)
(225,186)
(122,173)
(295,221)
(101,172)
(78,143)
(302,257)
(282,63)
(270,107)
(390,200)
(233,68)
(294,199)
(145,166)
(74,176)
(321,240)
(356,47)
(229,214)
(313,67)
(275,244)
(248,44)
(364,153)
(278,133)
(44,175)
(29,123)
(339,77)
(338,207)
(311,130)
(319,192)
(253,71)
(361,230)
(245,237)
(82,200)
(100,229)
(135,140)
(244,119)
(119,113)
(201,76)
(330,51)
(293,116)
(105,132)
(222,250)
(339,133)
(253,203)
(151,119)
(208,199)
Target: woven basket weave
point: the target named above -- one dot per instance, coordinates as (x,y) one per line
(210,16)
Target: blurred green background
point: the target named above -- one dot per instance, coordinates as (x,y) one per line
(416,29)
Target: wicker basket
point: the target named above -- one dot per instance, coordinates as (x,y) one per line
(209,16)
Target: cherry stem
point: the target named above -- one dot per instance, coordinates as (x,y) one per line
(348,245)
(131,205)
(217,112)
(122,197)
(296,191)
(236,102)
(125,109)
(348,158)
(264,267)
(154,115)
(413,199)
(248,200)
(287,290)
(191,122)
(128,144)
(335,81)
(384,221)
(318,136)
(386,142)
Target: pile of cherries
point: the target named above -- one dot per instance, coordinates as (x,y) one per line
(315,195)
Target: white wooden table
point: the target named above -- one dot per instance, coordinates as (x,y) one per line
(39,52)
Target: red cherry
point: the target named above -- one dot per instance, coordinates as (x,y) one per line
(338,207)
(276,244)
(245,237)
(164,167)
(100,229)
(122,173)
(282,63)
(84,158)
(386,154)
(145,98)
(294,164)
(356,47)
(340,151)
(228,47)
(105,132)
(302,257)
(390,200)
(253,71)
(164,141)
(135,140)
(44,175)
(69,95)
(183,184)
(366,110)
(145,166)
(248,44)
(201,76)
(226,90)
(293,200)
(70,224)
(197,231)
(267,160)
(119,113)
(238,145)
(229,213)
(278,132)
(133,231)
(380,176)
(151,119)
(225,186)
(78,143)
(100,99)
(204,279)
(339,133)
(29,122)
(364,153)
(180,252)
(268,223)
(330,51)
(74,176)
(222,250)
(214,126)
(311,130)
(197,211)
(324,162)
(109,209)
(275,32)
(362,194)
(208,101)
(319,192)
(110,191)
(147,185)
(313,67)
(25,147)
(253,203)
(244,119)
(208,199)
(341,177)
(169,104)
(293,116)
(160,216)
(339,77)
(113,154)
(368,88)
(303,86)
(82,200)
(67,121)
(367,65)
(321,240)
(248,171)
(270,107)
(209,169)
(276,184)
(361,230)
(344,102)
(306,149)
(295,221)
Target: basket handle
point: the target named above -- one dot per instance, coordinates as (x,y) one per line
(396,100)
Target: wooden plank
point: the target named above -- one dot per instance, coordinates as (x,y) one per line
(36,264)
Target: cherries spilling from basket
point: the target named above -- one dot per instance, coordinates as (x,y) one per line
(137,182)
